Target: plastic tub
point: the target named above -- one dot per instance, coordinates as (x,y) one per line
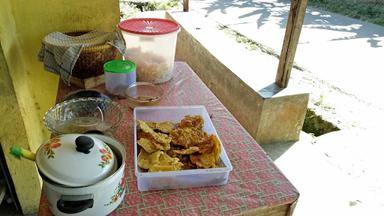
(119,75)
(151,44)
(185,178)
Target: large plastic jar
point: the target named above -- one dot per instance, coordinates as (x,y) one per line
(151,44)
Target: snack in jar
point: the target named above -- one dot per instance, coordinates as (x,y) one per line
(151,44)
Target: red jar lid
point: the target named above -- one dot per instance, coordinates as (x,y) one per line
(149,26)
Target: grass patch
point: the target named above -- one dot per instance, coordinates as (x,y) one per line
(316,125)
(251,44)
(368,10)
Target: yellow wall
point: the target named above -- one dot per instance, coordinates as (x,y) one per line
(27,90)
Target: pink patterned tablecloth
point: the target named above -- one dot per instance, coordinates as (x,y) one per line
(255,182)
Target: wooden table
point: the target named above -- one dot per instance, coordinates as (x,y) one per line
(256,186)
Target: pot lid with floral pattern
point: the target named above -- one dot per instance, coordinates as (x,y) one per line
(75,160)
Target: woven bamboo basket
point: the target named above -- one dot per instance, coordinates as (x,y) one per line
(88,70)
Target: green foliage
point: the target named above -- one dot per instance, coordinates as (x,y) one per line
(130,8)
(367,10)
(316,125)
(166,5)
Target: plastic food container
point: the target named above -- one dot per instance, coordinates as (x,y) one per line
(119,74)
(151,44)
(143,94)
(185,178)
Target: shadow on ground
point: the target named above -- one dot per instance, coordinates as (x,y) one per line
(277,11)
(276,150)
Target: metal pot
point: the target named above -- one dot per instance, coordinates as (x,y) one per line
(73,193)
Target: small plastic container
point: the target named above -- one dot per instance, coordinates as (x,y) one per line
(119,74)
(185,178)
(151,44)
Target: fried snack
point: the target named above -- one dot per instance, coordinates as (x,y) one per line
(166,167)
(158,161)
(192,121)
(143,160)
(171,152)
(216,147)
(166,163)
(188,137)
(206,160)
(151,146)
(188,151)
(163,127)
(206,146)
(187,164)
(146,141)
(209,159)
(155,157)
(147,145)
(166,148)
(158,137)
(209,145)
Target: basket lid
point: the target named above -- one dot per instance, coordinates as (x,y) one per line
(120,66)
(86,39)
(149,26)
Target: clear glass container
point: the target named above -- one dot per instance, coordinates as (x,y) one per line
(143,94)
(82,115)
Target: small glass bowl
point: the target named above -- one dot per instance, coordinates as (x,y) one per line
(143,94)
(81,115)
(82,93)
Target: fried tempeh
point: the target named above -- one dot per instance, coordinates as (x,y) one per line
(158,137)
(188,151)
(192,121)
(188,137)
(163,127)
(166,146)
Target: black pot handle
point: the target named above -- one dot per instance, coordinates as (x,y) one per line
(71,204)
(84,144)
